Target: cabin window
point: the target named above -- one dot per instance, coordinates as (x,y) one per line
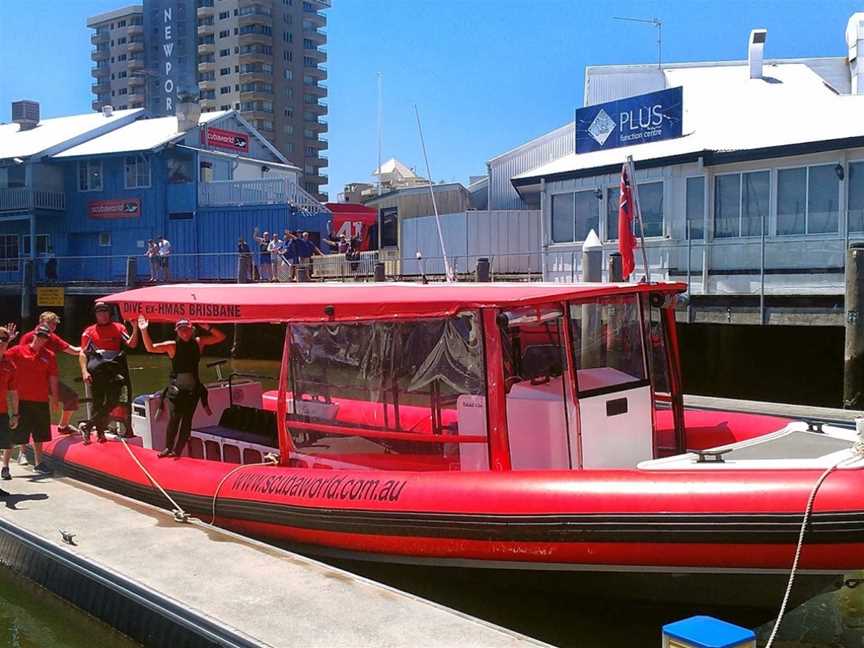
(181,167)
(405,396)
(607,345)
(8,252)
(856,197)
(538,395)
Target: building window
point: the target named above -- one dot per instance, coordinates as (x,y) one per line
(807,200)
(225,33)
(225,90)
(741,204)
(90,175)
(104,239)
(288,37)
(121,41)
(224,14)
(137,172)
(224,71)
(288,56)
(122,57)
(224,52)
(574,215)
(120,75)
(308,133)
(43,242)
(288,129)
(856,197)
(122,91)
(122,23)
(694,207)
(289,147)
(651,202)
(8,252)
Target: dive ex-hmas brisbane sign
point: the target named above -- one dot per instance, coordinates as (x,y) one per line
(626,122)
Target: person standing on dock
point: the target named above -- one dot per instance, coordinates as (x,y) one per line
(103,341)
(57,345)
(264,264)
(185,388)
(163,250)
(36,379)
(8,398)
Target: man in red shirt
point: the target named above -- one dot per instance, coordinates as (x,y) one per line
(8,396)
(102,341)
(56,344)
(36,379)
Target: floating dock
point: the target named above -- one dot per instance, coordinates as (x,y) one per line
(165,583)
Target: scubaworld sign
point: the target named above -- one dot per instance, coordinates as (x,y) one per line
(634,120)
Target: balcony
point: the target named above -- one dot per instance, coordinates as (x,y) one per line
(255,18)
(136,80)
(206,28)
(100,54)
(100,37)
(25,198)
(135,30)
(204,9)
(256,38)
(100,88)
(99,72)
(206,65)
(136,97)
(206,48)
(136,63)
(136,45)
(273,191)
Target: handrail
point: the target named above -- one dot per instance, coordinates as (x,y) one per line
(380,434)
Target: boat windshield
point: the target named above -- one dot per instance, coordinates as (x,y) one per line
(400,395)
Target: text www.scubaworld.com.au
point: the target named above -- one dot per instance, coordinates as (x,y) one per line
(334,488)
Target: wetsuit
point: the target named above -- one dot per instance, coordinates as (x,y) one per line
(183,393)
(103,346)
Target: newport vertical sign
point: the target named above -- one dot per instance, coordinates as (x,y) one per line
(168,48)
(634,120)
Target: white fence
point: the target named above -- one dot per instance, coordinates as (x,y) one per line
(510,239)
(272,191)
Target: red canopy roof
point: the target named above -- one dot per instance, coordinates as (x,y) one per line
(350,302)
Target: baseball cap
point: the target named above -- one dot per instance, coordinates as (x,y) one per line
(183,323)
(101,306)
(42,331)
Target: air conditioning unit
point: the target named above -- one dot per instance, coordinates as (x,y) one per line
(25,113)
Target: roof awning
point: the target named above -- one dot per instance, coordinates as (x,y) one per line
(245,303)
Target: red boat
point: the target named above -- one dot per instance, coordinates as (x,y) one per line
(510,426)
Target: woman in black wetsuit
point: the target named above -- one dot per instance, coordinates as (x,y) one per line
(185,388)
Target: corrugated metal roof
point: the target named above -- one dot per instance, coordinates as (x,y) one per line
(54,134)
(726,110)
(140,135)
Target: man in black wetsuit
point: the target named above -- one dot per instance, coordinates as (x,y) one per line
(185,388)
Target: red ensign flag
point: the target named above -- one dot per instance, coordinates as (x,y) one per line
(626,241)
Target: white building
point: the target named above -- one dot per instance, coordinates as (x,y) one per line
(753,205)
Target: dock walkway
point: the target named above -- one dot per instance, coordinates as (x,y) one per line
(166,583)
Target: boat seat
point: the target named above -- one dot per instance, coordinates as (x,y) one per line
(246,424)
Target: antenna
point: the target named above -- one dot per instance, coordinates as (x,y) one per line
(448,272)
(650,21)
(380,126)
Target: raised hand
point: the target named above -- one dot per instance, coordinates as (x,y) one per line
(12,327)
(141,323)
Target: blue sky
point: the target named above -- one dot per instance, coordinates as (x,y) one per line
(486,75)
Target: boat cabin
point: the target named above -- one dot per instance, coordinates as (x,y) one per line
(463,377)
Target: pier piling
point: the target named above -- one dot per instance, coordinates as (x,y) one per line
(853,352)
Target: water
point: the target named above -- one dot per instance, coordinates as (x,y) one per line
(31,617)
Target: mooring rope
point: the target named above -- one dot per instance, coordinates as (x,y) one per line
(858,453)
(179,514)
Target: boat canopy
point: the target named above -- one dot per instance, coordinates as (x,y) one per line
(335,302)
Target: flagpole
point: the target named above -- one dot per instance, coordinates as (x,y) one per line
(634,190)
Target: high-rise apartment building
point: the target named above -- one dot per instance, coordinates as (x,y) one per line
(264,58)
(118,38)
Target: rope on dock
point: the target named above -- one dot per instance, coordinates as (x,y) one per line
(857,454)
(269,460)
(179,514)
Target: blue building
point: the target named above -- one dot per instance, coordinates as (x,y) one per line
(91,190)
